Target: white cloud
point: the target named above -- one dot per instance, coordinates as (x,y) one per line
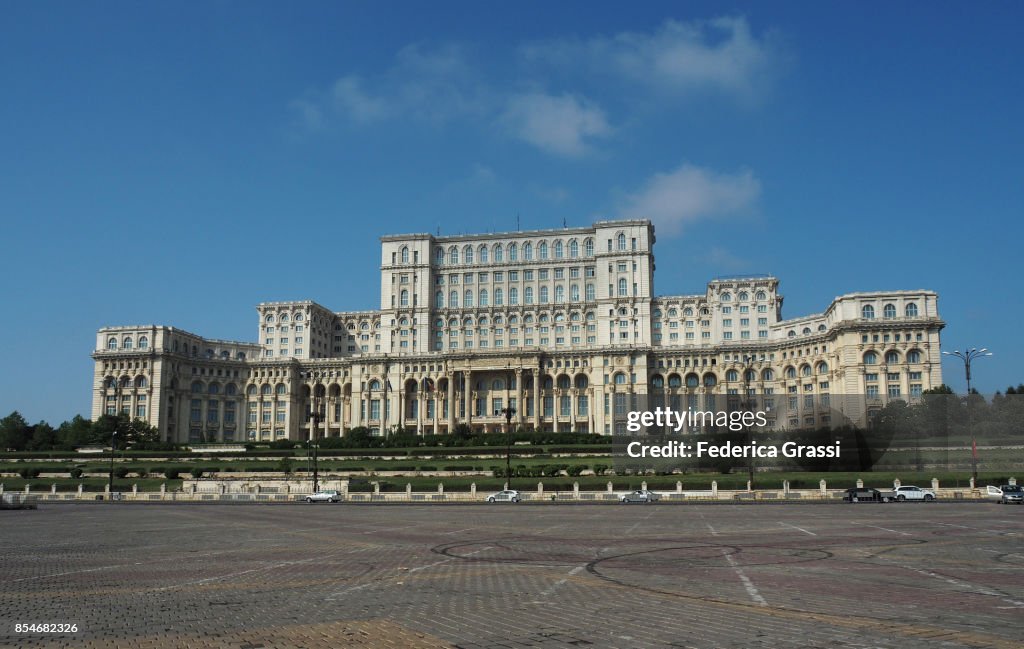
(563,125)
(721,54)
(349,98)
(689,194)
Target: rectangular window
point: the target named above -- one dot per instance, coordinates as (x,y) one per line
(549,406)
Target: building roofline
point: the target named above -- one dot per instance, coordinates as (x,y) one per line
(581,230)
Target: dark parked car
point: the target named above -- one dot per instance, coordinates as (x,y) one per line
(866,494)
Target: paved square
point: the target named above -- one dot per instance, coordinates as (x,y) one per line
(543,575)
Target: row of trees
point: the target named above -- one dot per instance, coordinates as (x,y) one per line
(16,434)
(941,415)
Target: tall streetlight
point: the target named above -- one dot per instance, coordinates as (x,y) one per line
(509,412)
(110,483)
(313,439)
(747,365)
(967,356)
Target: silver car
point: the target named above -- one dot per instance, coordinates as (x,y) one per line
(1011,493)
(324,497)
(640,496)
(506,496)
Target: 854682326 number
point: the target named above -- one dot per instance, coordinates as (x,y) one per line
(48,627)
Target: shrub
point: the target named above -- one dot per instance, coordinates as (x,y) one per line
(121,472)
(196,473)
(284,465)
(599,469)
(76,473)
(28,473)
(427,467)
(172,474)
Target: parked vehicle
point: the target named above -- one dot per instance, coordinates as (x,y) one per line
(324,497)
(913,493)
(640,496)
(506,496)
(867,495)
(1006,494)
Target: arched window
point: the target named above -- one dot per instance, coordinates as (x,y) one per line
(620,378)
(439,256)
(582,381)
(657,381)
(513,252)
(805,370)
(732,375)
(498,252)
(726,297)
(251,390)
(542,250)
(112,343)
(453,300)
(483,254)
(559,253)
(143,342)
(543,294)
(374,385)
(867,311)
(806,331)
(497,384)
(914,356)
(743,297)
(213,388)
(405,255)
(439,299)
(588,247)
(467,254)
(269,318)
(621,239)
(453,255)
(499,297)
(768,375)
(911,310)
(197,387)
(889,311)
(623,289)
(284,317)
(892,357)
(513,295)
(823,368)
(790,372)
(528,251)
(230,390)
(404,301)
(692,381)
(760,296)
(126,343)
(467,299)
(791,334)
(484,301)
(870,358)
(280,388)
(559,293)
(528,295)
(574,292)
(821,327)
(141,382)
(750,376)
(574,249)
(674,381)
(564,382)
(687,311)
(710,380)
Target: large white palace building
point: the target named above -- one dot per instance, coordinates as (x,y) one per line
(560,325)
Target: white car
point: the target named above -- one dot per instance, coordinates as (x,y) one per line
(640,496)
(506,496)
(324,497)
(913,493)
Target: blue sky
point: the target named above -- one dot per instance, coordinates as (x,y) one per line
(178,163)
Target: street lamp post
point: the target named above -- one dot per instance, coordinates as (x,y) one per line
(110,483)
(509,412)
(313,440)
(967,356)
(747,360)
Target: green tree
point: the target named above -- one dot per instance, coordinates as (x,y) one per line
(43,437)
(77,432)
(14,432)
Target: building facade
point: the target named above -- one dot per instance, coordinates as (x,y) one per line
(560,325)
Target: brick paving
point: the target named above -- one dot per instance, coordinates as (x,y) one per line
(546,575)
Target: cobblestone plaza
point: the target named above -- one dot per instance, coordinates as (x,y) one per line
(541,575)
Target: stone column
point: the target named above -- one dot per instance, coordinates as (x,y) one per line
(467,395)
(520,397)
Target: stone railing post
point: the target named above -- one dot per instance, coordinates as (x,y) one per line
(540,490)
(163,489)
(575,491)
(472,489)
(785,487)
(440,488)
(53,489)
(822,488)
(972,482)
(376,488)
(896,483)
(79,490)
(679,486)
(860,483)
(643,485)
(935,484)
(1011,481)
(135,489)
(408,490)
(714,488)
(609,486)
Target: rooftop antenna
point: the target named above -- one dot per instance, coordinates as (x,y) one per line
(517,221)
(564,226)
